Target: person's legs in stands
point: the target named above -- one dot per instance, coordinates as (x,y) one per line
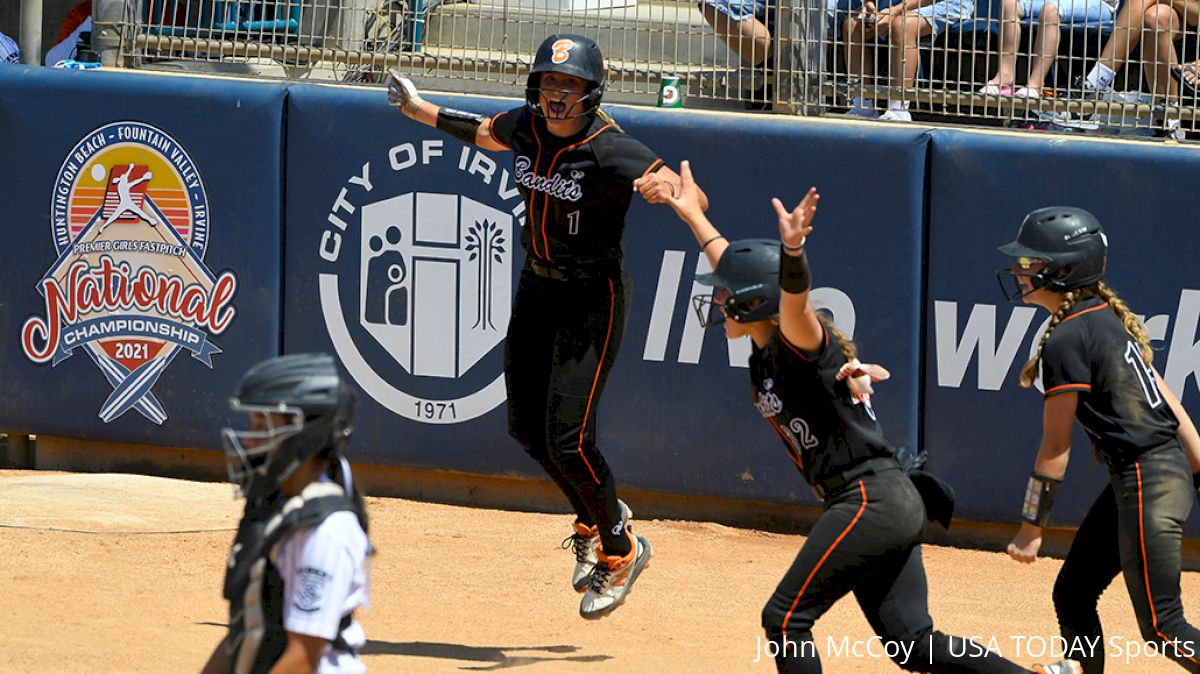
(738,27)
(1163,27)
(1011,13)
(860,58)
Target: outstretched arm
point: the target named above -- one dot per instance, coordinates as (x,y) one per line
(690,203)
(661,185)
(797,320)
(465,126)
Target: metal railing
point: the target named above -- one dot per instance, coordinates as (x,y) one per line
(956,60)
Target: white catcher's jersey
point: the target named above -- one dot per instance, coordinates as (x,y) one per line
(326,575)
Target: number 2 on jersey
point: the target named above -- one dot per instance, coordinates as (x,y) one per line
(1133,356)
(573,222)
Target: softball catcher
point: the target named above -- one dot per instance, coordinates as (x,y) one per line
(299,566)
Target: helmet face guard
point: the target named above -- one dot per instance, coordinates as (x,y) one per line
(248,453)
(1011,287)
(299,409)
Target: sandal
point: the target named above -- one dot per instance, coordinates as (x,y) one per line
(991,89)
(1185,87)
(1028,92)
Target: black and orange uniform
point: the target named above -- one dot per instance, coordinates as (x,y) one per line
(1135,526)
(569,313)
(868,540)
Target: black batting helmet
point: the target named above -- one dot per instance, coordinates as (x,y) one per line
(316,409)
(749,271)
(570,55)
(1069,241)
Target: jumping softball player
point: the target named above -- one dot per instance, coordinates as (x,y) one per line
(1095,365)
(299,566)
(577,171)
(810,386)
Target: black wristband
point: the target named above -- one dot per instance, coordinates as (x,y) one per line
(793,273)
(1039,499)
(462,125)
(704,246)
(1196,483)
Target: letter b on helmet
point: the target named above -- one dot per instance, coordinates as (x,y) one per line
(568,54)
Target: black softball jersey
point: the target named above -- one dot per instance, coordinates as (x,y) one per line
(824,431)
(1120,404)
(576,189)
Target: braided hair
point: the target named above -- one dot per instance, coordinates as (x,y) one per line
(1029,372)
(849,348)
(1133,326)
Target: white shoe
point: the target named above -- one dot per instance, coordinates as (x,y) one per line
(896,115)
(868,113)
(1060,667)
(613,578)
(583,543)
(1027,92)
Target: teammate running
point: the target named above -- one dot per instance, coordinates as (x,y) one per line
(1096,366)
(811,387)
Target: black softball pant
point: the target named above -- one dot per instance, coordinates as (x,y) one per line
(868,541)
(1135,528)
(563,338)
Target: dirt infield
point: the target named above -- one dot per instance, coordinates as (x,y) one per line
(122,573)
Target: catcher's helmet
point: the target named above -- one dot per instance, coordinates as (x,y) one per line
(749,272)
(299,408)
(1071,243)
(570,55)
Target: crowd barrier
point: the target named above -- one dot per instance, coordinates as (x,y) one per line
(308,217)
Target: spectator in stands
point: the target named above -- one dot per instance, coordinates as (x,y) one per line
(77,21)
(904,24)
(1050,14)
(1160,22)
(744,25)
(1188,76)
(9,52)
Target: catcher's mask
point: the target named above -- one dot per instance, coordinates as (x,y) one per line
(745,282)
(570,55)
(1059,248)
(299,408)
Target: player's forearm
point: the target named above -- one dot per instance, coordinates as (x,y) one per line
(1052,461)
(710,240)
(1188,436)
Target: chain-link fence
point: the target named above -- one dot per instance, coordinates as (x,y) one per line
(1078,66)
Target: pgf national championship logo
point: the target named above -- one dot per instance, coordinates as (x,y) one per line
(417,281)
(129,288)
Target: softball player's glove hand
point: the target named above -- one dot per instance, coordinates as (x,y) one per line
(402,93)
(858,378)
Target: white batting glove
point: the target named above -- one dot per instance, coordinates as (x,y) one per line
(402,93)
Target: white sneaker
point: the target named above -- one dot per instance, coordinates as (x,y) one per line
(613,578)
(583,543)
(1060,667)
(868,113)
(896,115)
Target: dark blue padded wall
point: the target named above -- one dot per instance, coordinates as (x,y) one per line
(980,427)
(200,160)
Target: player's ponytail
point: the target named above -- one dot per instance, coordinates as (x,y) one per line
(849,349)
(1029,373)
(1133,326)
